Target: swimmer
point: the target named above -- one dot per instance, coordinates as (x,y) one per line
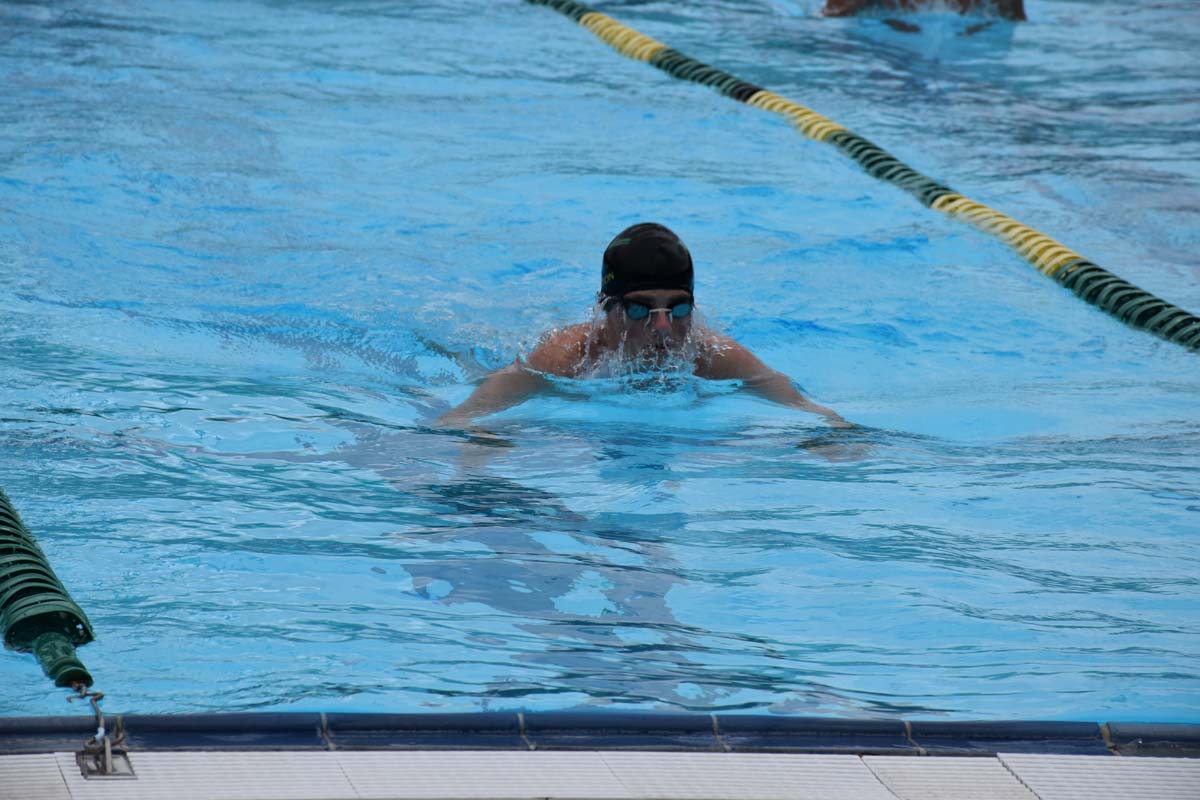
(644,320)
(1005,9)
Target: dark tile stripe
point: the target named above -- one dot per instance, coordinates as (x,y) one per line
(591,730)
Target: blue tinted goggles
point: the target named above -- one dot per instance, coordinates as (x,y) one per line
(641,311)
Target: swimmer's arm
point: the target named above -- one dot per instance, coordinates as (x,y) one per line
(1012,9)
(502,389)
(731,361)
(845,8)
(778,387)
(557,355)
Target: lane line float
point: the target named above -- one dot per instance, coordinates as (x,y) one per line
(1094,284)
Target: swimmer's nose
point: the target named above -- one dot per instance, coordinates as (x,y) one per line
(661,320)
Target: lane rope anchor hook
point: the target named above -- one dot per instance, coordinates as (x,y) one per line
(102,756)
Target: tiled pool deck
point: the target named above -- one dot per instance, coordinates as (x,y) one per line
(596,755)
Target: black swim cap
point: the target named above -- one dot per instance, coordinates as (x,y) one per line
(645,256)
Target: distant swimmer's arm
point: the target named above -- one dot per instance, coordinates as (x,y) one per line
(1005,9)
(845,8)
(517,382)
(731,361)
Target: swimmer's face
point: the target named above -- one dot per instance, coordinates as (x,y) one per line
(658,331)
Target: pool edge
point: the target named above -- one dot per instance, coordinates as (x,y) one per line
(605,731)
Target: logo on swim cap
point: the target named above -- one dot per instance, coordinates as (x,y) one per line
(646,256)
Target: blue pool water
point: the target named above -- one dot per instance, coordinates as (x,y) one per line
(249,250)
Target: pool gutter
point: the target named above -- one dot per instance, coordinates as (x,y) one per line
(598,730)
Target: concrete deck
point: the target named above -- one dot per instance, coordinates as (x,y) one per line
(594,755)
(600,775)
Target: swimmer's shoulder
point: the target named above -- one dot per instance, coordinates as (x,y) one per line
(562,351)
(723,358)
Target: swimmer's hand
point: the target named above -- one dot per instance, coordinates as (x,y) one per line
(461,425)
(846,442)
(486,438)
(901,25)
(477,446)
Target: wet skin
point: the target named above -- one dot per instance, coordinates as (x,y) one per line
(573,351)
(655,336)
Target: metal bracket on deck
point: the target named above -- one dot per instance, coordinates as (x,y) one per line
(93,767)
(103,757)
